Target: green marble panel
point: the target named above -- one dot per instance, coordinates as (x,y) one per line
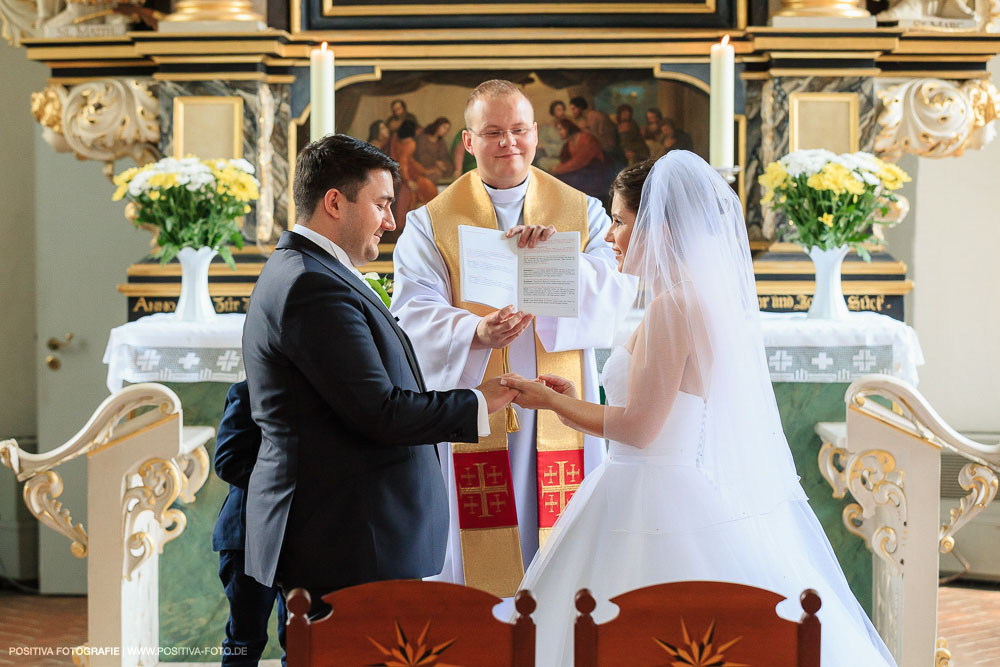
(801,405)
(193,606)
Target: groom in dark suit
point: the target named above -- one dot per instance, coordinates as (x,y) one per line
(347,487)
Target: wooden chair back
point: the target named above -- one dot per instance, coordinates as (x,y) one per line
(404,623)
(698,623)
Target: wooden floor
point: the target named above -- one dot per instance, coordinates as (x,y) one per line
(968,618)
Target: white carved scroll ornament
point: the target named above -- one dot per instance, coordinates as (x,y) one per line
(936,118)
(43,485)
(981,482)
(100,120)
(160,484)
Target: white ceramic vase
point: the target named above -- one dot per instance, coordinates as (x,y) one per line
(195,304)
(828,301)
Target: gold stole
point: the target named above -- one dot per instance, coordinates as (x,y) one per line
(491,550)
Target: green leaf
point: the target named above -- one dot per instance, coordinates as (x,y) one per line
(169,252)
(227,256)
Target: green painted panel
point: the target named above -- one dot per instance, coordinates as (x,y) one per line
(193,606)
(801,405)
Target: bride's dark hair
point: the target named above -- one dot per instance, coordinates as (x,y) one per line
(628,183)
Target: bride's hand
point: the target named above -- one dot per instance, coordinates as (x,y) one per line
(533,394)
(560,385)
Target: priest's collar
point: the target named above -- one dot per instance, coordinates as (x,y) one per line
(510,195)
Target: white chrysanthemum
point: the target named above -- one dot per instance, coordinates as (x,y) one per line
(137,185)
(806,162)
(241,163)
(200,179)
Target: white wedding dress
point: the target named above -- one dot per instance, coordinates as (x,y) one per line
(654,515)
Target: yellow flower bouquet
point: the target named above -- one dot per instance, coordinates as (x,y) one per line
(191,203)
(831,200)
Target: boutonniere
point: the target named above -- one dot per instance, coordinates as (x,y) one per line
(382,285)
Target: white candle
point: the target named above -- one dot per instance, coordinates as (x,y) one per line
(720,142)
(320,92)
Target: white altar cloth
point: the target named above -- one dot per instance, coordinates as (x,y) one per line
(158,348)
(802,350)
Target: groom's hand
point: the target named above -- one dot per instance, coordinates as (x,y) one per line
(497,396)
(500,328)
(531,235)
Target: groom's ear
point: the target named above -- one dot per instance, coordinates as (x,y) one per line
(333,203)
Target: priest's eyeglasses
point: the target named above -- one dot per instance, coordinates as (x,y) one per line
(497,135)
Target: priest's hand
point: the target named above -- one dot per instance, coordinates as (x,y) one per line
(560,385)
(531,394)
(500,328)
(497,395)
(531,235)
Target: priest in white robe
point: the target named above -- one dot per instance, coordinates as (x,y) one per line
(538,464)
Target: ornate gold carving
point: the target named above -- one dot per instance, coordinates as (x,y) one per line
(100,120)
(47,107)
(194,467)
(942,656)
(981,483)
(161,484)
(40,493)
(832,463)
(936,118)
(873,480)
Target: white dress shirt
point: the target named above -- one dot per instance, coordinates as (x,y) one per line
(340,255)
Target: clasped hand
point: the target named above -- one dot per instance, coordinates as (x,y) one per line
(538,394)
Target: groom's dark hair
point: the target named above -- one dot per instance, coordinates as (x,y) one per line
(339,162)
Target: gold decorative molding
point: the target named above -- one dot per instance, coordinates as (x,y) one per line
(174,289)
(40,493)
(823,8)
(104,119)
(860,287)
(981,482)
(335,8)
(239,11)
(936,118)
(160,485)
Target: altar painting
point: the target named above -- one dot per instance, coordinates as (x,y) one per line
(591,124)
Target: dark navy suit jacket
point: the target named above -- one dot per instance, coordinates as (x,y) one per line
(236,445)
(347,487)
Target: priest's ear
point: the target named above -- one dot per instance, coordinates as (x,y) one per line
(467,141)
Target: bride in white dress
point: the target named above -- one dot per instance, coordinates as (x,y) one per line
(699,483)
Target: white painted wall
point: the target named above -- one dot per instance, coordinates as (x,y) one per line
(956,267)
(18,557)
